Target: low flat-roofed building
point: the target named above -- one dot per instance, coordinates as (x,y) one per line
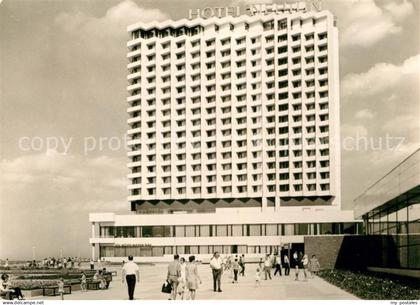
(391,206)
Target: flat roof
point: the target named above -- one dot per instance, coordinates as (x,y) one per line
(400,185)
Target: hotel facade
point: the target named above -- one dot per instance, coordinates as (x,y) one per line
(234,130)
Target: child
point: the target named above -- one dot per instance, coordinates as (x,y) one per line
(314,265)
(257,277)
(61,288)
(83,283)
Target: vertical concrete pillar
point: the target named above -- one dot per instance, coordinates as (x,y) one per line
(93,230)
(264,203)
(93,252)
(276,203)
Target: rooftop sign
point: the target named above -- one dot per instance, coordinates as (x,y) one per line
(251,9)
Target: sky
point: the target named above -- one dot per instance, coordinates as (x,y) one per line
(63,108)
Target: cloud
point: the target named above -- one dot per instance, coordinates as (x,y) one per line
(352,130)
(384,100)
(364,114)
(364,23)
(406,121)
(63,171)
(106,34)
(381,77)
(116,18)
(52,195)
(400,9)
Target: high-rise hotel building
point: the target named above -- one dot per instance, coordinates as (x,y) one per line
(234,129)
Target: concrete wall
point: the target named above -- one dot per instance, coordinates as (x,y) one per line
(359,252)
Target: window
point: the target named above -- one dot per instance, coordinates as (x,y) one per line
(254,230)
(282,24)
(221,230)
(189,231)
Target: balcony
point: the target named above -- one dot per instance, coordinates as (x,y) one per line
(133,153)
(133,142)
(133,75)
(133,87)
(134,120)
(134,175)
(133,109)
(133,53)
(134,64)
(134,42)
(133,164)
(134,186)
(134,131)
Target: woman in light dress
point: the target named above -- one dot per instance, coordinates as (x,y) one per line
(305,263)
(182,287)
(192,277)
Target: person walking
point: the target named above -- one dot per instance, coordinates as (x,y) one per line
(314,265)
(258,277)
(305,263)
(131,274)
(267,267)
(92,264)
(235,267)
(286,265)
(83,282)
(216,266)
(277,260)
(61,288)
(242,264)
(182,286)
(296,262)
(192,277)
(174,273)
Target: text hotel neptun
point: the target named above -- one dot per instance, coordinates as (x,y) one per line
(250,10)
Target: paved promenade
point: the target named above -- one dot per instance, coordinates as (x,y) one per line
(279,288)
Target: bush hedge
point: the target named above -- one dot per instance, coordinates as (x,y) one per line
(373,286)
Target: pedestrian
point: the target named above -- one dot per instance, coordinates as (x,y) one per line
(258,277)
(242,264)
(235,267)
(286,265)
(314,265)
(277,261)
(267,267)
(305,263)
(83,282)
(192,277)
(182,286)
(216,265)
(130,273)
(61,288)
(174,273)
(92,264)
(296,262)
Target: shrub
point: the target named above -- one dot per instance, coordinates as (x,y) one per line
(373,286)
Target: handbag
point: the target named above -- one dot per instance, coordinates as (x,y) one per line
(166,287)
